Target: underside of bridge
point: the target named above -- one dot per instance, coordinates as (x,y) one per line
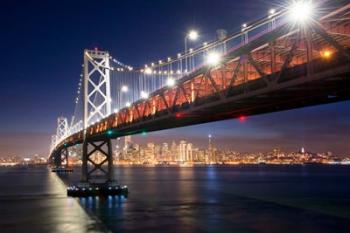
(284,68)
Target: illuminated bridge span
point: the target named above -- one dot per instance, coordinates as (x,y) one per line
(294,57)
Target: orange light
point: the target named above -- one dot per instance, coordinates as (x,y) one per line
(326,54)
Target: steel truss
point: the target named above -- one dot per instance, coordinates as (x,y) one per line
(265,61)
(97,96)
(62,128)
(281,69)
(61,158)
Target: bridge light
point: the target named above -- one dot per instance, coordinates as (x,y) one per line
(148,70)
(213,58)
(242,118)
(301,11)
(144,95)
(109,132)
(128,104)
(193,35)
(124,88)
(272,13)
(326,54)
(170,82)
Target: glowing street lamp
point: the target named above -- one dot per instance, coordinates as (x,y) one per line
(144,95)
(124,88)
(193,36)
(244,27)
(148,70)
(301,11)
(213,58)
(170,82)
(272,11)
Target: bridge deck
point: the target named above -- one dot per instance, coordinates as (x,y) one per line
(278,70)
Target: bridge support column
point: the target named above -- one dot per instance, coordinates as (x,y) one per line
(61,158)
(97,171)
(97,162)
(61,161)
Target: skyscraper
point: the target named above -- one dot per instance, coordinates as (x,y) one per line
(182,151)
(127,141)
(189,155)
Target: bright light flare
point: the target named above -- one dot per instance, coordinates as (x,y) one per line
(170,82)
(128,104)
(178,115)
(125,88)
(144,95)
(148,70)
(193,35)
(242,118)
(327,54)
(213,58)
(301,11)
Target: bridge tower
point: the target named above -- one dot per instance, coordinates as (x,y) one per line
(60,158)
(97,105)
(62,128)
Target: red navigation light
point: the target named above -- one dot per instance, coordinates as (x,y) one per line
(178,115)
(242,118)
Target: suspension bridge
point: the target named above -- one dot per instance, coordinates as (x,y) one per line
(294,57)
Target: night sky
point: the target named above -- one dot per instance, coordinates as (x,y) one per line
(42,45)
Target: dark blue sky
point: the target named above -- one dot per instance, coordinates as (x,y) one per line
(42,44)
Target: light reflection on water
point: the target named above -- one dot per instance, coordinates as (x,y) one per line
(35,200)
(194,199)
(228,199)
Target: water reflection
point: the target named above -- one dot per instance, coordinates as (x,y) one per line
(196,199)
(36,201)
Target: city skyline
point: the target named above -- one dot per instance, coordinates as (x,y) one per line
(185,153)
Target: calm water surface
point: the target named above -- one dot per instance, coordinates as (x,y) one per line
(196,199)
